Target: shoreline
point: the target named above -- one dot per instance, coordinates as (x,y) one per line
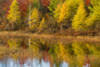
(50,36)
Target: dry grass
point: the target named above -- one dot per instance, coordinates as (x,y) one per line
(51,36)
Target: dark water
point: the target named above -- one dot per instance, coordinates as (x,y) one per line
(44,52)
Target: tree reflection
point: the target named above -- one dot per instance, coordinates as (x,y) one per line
(32,52)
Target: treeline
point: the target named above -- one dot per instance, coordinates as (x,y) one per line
(70,17)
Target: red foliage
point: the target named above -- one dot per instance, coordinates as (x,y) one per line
(87,2)
(6,6)
(45,3)
(23,4)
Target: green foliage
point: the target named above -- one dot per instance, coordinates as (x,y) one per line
(93,20)
(80,18)
(36,4)
(57,11)
(92,49)
(53,5)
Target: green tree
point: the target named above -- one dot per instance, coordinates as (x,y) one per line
(79,19)
(57,11)
(53,5)
(36,4)
(14,13)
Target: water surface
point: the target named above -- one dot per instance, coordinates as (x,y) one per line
(44,52)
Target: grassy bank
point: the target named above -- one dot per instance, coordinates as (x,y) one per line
(52,36)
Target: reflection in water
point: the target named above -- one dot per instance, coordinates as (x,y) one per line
(64,64)
(32,52)
(28,63)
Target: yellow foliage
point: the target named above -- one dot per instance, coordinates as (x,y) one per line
(42,24)
(34,19)
(62,13)
(14,13)
(68,10)
(77,49)
(80,18)
(92,49)
(57,11)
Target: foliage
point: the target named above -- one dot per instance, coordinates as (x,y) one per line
(93,21)
(50,15)
(14,14)
(42,25)
(57,11)
(80,18)
(68,10)
(13,44)
(34,20)
(55,52)
(36,4)
(45,3)
(53,5)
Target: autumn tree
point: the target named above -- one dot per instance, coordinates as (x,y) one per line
(4,7)
(93,21)
(80,18)
(23,6)
(87,2)
(36,4)
(34,20)
(14,14)
(68,10)
(42,25)
(45,3)
(53,5)
(57,11)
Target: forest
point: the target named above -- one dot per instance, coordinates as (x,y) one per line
(67,17)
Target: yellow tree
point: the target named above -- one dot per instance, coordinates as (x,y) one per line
(57,11)
(93,21)
(79,19)
(79,52)
(14,13)
(53,5)
(68,10)
(34,20)
(42,25)
(62,13)
(65,12)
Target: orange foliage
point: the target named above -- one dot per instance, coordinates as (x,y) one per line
(87,2)
(45,3)
(2,25)
(23,4)
(6,6)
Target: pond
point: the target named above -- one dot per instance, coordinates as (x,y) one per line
(48,52)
